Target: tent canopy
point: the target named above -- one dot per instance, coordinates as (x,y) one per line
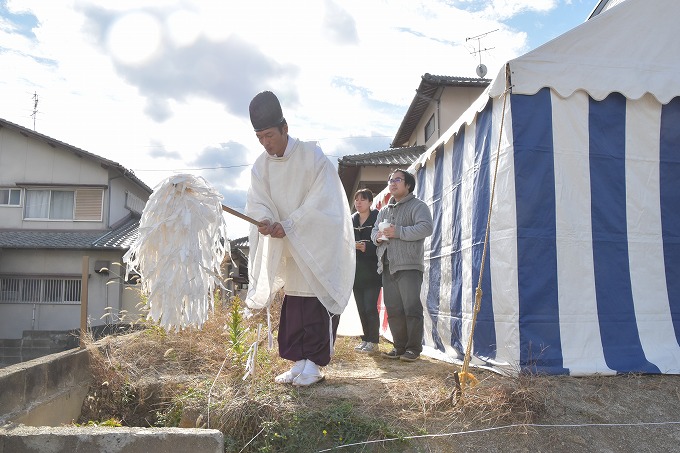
(632,48)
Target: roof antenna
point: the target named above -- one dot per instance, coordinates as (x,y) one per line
(35,108)
(481,68)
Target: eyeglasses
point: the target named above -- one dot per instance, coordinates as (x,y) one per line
(395,180)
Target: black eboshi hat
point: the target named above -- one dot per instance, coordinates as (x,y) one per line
(265,111)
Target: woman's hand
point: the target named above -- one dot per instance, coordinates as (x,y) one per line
(361,246)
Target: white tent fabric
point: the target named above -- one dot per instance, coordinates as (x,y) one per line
(632,48)
(582,273)
(350,322)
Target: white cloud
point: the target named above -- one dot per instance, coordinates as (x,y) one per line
(156,84)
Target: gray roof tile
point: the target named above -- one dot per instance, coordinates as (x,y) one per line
(27,239)
(119,238)
(392,157)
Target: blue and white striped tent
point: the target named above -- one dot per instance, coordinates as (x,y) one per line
(582,273)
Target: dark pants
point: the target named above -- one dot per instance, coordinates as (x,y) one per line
(304,330)
(401,295)
(367,306)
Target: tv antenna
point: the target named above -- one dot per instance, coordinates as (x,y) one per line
(481,68)
(35,108)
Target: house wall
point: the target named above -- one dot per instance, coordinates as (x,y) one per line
(371,177)
(26,160)
(452,103)
(118,188)
(104,290)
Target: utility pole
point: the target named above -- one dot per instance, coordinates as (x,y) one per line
(35,108)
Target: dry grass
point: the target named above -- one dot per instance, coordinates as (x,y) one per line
(194,378)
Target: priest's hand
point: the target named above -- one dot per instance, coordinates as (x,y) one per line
(278,231)
(266,228)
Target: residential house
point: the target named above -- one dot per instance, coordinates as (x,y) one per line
(438,102)
(59,204)
(370,170)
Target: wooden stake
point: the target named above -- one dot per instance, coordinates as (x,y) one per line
(83,300)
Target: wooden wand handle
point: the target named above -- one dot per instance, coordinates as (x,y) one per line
(241,216)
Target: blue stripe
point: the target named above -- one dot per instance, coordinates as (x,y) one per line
(618,328)
(434,285)
(485,332)
(539,323)
(420,182)
(669,174)
(456,302)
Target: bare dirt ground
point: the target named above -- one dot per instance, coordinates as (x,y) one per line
(631,413)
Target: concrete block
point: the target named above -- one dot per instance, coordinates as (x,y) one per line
(26,439)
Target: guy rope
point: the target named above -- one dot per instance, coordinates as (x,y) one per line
(464,376)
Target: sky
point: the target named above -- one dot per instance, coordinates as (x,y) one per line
(163,86)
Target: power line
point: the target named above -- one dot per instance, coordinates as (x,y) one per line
(219,167)
(192,169)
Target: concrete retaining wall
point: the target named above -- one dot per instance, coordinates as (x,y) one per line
(39,396)
(47,391)
(34,344)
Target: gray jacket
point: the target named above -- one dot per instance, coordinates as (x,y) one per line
(413,223)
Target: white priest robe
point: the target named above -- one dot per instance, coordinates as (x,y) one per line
(316,258)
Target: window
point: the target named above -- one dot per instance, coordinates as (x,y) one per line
(40,290)
(10,197)
(52,204)
(429,128)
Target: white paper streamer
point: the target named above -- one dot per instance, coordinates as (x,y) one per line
(252,357)
(178,253)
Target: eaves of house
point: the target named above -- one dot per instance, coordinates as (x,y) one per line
(349,166)
(429,89)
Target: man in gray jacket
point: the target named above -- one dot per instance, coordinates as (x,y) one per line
(400,242)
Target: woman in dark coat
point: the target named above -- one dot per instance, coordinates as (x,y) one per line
(367,281)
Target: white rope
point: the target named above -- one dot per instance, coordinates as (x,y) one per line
(496,428)
(178,253)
